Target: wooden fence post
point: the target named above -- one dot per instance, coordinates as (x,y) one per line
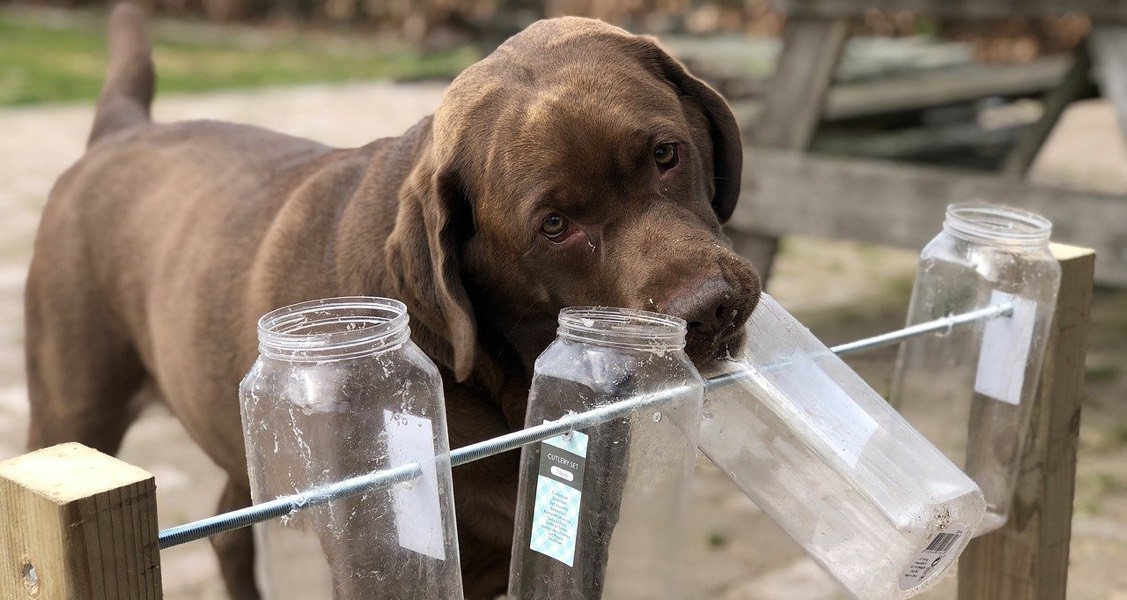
(791,111)
(76,524)
(1027,559)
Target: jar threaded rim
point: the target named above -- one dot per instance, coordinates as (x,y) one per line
(622,327)
(333,328)
(997,225)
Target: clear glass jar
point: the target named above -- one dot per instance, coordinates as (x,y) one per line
(879,507)
(599,511)
(340,390)
(970,390)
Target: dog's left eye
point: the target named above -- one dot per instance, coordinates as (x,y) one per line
(555,227)
(665,155)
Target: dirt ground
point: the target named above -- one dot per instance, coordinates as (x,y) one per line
(842,290)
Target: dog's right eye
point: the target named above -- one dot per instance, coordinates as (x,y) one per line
(554,227)
(665,155)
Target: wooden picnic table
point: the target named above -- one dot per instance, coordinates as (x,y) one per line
(789,190)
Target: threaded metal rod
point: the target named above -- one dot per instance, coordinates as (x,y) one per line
(941,324)
(583,420)
(279,507)
(382,479)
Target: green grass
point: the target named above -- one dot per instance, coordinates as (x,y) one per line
(1119,432)
(51,63)
(1102,373)
(717,540)
(1090,508)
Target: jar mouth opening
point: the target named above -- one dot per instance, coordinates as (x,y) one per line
(622,326)
(1005,225)
(333,327)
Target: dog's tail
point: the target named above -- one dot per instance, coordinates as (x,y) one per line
(128,90)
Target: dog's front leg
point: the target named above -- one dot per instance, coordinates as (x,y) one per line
(235,549)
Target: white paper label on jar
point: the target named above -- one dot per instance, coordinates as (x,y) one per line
(418,514)
(1006,343)
(942,548)
(559,493)
(835,417)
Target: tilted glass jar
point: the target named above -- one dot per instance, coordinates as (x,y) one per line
(340,390)
(879,507)
(970,390)
(599,510)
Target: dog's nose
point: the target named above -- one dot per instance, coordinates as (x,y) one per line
(708,309)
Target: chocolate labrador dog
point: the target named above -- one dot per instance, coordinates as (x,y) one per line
(576,165)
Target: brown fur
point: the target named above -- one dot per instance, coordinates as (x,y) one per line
(162,246)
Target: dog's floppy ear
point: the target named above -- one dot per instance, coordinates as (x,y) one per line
(727,148)
(422,253)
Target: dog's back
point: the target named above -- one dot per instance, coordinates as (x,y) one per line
(149,265)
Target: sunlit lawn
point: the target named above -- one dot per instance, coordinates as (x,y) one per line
(43,60)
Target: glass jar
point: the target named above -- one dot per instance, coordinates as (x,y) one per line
(970,389)
(866,496)
(599,511)
(340,390)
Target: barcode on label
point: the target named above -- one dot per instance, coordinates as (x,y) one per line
(934,560)
(943,542)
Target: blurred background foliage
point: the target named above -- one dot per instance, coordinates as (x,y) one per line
(445,23)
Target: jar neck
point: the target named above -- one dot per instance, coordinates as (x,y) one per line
(622,328)
(999,226)
(333,329)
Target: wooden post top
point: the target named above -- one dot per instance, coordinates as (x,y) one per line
(70,472)
(76,523)
(1064,252)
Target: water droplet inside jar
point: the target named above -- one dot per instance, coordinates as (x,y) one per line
(657,416)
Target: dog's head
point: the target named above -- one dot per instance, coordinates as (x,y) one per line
(579,165)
